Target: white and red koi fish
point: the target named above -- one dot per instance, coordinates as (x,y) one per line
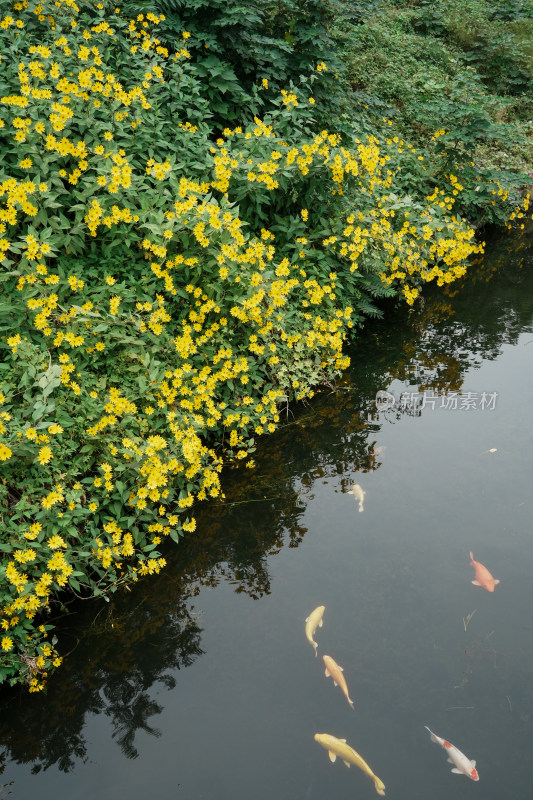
(463,765)
(483,577)
(333,669)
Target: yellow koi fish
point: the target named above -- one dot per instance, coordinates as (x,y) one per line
(338,747)
(314,621)
(333,669)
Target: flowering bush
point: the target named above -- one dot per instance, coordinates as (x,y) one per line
(164,289)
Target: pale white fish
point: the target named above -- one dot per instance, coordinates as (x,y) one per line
(314,621)
(463,765)
(359,494)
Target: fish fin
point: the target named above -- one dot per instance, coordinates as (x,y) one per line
(458,771)
(347,764)
(334,683)
(351,703)
(327,673)
(451,760)
(496,581)
(332,756)
(477,583)
(471,556)
(343,740)
(473,763)
(341,669)
(320,624)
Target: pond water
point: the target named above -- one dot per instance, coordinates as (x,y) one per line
(200,683)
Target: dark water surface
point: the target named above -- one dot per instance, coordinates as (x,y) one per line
(200,684)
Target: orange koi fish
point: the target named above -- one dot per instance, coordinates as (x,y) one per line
(333,669)
(483,577)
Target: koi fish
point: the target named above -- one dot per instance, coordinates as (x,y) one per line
(359,494)
(314,621)
(333,669)
(463,765)
(338,747)
(483,577)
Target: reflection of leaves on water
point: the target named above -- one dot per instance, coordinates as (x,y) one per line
(5,790)
(134,643)
(4,787)
(130,716)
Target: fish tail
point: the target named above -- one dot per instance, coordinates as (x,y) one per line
(380,786)
(351,704)
(471,557)
(432,735)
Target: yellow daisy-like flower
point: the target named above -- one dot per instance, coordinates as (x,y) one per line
(5,452)
(45,455)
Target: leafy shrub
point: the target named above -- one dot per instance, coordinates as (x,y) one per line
(237,43)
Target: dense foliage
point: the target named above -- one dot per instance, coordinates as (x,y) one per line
(167,282)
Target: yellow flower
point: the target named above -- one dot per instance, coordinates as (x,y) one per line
(33,531)
(113,305)
(45,455)
(54,542)
(7,643)
(5,452)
